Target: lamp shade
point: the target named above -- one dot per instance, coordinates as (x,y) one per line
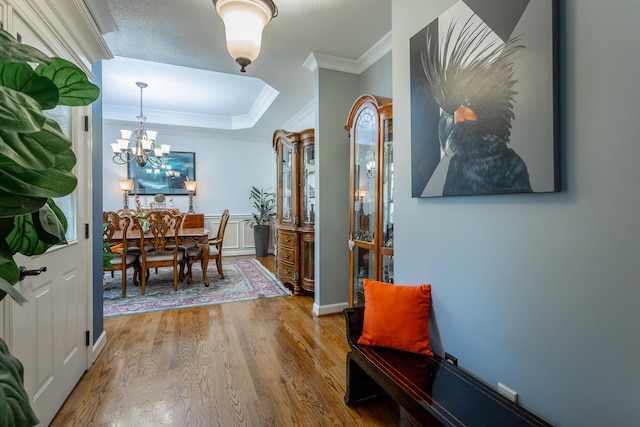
(190,186)
(244,21)
(126,184)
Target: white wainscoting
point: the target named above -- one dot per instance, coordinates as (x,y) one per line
(238,236)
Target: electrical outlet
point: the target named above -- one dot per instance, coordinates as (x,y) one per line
(451,359)
(508,393)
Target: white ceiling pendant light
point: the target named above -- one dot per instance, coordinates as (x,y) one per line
(140,144)
(244,21)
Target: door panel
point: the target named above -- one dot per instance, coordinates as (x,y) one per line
(48,331)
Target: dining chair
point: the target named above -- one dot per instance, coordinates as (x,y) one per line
(123,258)
(214,246)
(161,245)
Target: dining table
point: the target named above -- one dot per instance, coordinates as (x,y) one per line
(186,236)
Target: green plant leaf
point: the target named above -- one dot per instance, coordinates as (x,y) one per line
(24,238)
(21,77)
(73,85)
(8,267)
(12,51)
(35,180)
(38,183)
(23,150)
(16,410)
(7,289)
(30,238)
(265,205)
(60,215)
(39,150)
(48,226)
(12,204)
(20,112)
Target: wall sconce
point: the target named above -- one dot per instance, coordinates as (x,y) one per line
(191,188)
(244,21)
(371,165)
(126,185)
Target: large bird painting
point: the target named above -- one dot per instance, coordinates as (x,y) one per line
(462,139)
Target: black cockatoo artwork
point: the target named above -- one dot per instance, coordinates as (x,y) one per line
(470,75)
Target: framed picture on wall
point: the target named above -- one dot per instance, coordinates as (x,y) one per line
(484,100)
(167,178)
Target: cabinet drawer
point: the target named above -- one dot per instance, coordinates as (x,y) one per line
(286,271)
(286,254)
(286,238)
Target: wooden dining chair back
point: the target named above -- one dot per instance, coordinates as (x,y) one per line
(214,246)
(122,258)
(161,244)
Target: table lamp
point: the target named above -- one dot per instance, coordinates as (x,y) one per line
(362,193)
(191,188)
(126,185)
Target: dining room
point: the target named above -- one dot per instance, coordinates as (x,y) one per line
(223,168)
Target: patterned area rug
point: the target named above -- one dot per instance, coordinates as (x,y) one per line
(244,279)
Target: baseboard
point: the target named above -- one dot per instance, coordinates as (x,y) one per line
(100,343)
(322,310)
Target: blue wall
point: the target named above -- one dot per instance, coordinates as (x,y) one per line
(96,204)
(540,292)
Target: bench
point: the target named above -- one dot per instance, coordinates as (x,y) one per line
(433,391)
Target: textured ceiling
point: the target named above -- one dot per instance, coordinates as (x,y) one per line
(189,34)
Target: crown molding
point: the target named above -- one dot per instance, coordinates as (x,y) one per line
(187,129)
(101,14)
(317,60)
(189,119)
(303,119)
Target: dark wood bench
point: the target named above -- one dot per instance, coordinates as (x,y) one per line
(433,391)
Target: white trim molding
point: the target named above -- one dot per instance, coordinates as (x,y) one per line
(317,60)
(322,310)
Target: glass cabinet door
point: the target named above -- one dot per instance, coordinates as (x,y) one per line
(365,175)
(387,184)
(287,183)
(308,258)
(309,185)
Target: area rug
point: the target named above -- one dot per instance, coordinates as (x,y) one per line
(244,279)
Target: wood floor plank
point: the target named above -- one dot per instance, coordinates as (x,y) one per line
(267,362)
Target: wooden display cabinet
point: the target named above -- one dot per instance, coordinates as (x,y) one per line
(295,211)
(370,128)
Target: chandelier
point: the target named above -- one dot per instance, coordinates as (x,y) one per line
(139,145)
(244,21)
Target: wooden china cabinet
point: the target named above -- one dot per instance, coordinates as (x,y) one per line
(295,212)
(370,128)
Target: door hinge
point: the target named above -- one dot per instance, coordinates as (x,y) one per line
(86,123)
(86,231)
(88,338)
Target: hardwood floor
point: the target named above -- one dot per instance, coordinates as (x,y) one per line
(266,362)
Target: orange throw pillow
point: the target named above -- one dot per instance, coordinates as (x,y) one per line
(396,316)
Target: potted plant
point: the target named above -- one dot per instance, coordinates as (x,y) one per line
(34,153)
(264,203)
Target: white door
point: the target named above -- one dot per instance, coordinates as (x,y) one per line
(48,333)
